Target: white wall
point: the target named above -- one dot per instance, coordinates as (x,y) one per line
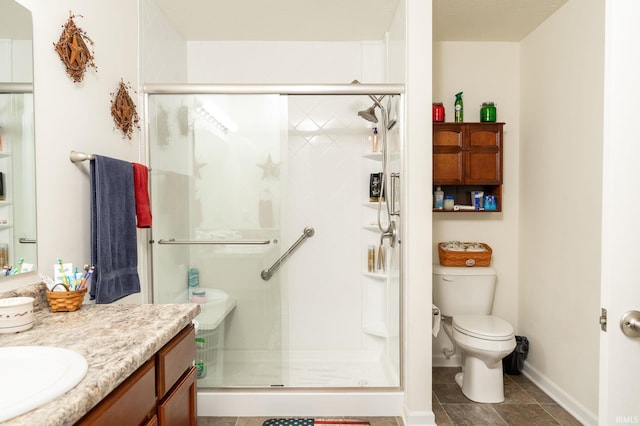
(560,215)
(72,116)
(484,72)
(281,62)
(159,41)
(416,205)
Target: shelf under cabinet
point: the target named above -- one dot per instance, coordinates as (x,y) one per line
(462,197)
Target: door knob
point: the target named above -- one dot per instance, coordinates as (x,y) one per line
(630,324)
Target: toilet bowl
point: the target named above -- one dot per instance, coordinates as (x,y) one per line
(484,340)
(465,297)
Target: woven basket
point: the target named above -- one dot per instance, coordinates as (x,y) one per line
(65,301)
(464,258)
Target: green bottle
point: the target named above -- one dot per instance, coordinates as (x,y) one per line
(458,108)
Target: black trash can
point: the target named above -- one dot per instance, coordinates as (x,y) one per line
(513,363)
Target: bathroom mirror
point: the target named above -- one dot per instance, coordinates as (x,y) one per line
(18,248)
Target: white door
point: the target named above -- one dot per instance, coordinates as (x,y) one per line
(619,354)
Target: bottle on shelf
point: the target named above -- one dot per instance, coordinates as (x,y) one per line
(438,196)
(201,368)
(375,187)
(459,108)
(449,202)
(374,140)
(371,258)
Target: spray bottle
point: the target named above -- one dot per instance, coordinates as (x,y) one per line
(459,108)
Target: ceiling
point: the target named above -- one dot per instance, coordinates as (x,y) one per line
(351,20)
(327,20)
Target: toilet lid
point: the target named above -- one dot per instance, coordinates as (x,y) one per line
(485,327)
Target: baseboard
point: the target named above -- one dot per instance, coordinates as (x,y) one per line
(566,401)
(418,418)
(439,360)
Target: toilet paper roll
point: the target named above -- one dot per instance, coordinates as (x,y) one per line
(436,320)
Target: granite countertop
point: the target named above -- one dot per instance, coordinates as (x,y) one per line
(115,339)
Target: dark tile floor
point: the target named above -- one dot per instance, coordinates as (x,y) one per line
(524,404)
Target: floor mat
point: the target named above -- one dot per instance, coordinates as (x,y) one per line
(314,422)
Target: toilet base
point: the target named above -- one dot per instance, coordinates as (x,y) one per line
(480,383)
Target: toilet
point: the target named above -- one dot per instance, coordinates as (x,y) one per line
(465,297)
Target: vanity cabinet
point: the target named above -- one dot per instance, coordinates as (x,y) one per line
(161,392)
(468,157)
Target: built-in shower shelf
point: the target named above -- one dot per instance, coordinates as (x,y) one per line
(377,156)
(375,275)
(370,204)
(376,329)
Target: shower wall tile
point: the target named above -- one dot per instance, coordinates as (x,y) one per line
(326,193)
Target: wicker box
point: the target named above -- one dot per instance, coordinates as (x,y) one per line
(65,301)
(474,257)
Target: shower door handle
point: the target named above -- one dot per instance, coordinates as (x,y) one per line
(395,207)
(23,240)
(307,233)
(215,242)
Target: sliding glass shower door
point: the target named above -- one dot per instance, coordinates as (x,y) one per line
(261,214)
(215,190)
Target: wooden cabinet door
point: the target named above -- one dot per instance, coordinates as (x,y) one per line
(448,168)
(131,403)
(482,149)
(179,407)
(174,359)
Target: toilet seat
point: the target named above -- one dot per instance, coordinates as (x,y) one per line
(485,327)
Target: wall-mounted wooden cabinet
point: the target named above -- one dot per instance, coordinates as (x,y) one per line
(468,157)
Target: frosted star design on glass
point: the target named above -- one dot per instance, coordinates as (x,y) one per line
(269,168)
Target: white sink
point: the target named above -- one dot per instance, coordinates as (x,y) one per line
(34,375)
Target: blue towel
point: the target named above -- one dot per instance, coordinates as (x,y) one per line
(114,248)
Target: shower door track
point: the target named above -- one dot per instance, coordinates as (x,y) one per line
(271,89)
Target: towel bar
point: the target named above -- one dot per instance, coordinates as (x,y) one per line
(77,157)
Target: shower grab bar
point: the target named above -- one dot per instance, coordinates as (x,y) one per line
(267,273)
(216,242)
(23,240)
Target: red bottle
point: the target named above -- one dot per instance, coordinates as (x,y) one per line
(438,112)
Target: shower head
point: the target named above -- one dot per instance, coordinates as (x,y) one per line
(369,114)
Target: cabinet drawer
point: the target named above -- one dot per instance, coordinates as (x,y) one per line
(131,403)
(174,359)
(179,408)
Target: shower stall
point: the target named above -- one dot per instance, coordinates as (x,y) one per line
(267,204)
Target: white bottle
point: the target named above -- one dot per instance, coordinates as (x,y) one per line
(438,196)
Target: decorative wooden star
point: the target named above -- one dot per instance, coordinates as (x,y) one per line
(73,51)
(269,168)
(123,110)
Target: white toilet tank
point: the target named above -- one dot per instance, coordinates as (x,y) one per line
(463,290)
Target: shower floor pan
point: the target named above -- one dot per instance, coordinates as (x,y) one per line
(306,369)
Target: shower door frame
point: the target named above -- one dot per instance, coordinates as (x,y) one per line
(282,90)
